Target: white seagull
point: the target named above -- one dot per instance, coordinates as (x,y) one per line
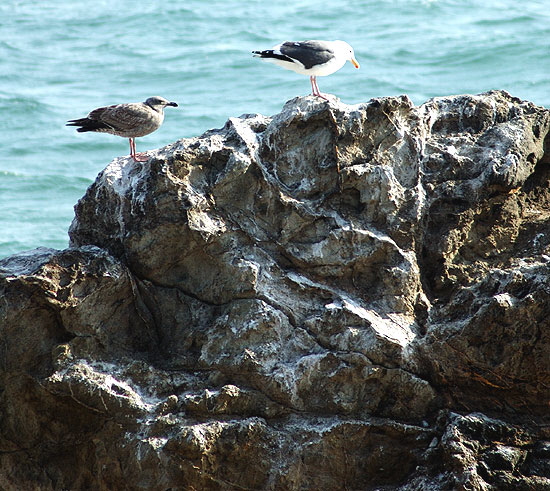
(313,58)
(130,120)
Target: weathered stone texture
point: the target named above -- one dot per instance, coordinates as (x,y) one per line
(338,297)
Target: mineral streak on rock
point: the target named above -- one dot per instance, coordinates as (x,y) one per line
(337,297)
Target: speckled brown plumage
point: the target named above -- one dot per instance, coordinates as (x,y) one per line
(129,120)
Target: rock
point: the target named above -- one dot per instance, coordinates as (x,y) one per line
(338,297)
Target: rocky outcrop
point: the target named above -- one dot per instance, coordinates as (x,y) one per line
(338,297)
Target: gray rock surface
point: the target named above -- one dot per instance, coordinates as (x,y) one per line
(337,297)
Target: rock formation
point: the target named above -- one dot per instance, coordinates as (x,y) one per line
(337,297)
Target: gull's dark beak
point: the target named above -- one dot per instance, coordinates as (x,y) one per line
(173,104)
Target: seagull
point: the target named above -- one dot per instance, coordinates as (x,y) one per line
(313,58)
(127,120)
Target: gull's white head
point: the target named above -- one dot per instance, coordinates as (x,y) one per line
(347,51)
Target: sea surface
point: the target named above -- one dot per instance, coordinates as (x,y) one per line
(62,58)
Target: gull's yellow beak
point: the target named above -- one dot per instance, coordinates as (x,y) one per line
(355,63)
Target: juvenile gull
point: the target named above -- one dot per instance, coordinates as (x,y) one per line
(313,58)
(130,120)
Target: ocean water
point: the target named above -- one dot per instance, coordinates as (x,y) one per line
(60,59)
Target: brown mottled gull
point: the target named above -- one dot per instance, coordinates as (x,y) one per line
(130,120)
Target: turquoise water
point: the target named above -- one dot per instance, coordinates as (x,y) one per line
(60,59)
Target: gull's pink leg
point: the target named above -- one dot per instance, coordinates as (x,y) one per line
(315,88)
(138,157)
(312,80)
